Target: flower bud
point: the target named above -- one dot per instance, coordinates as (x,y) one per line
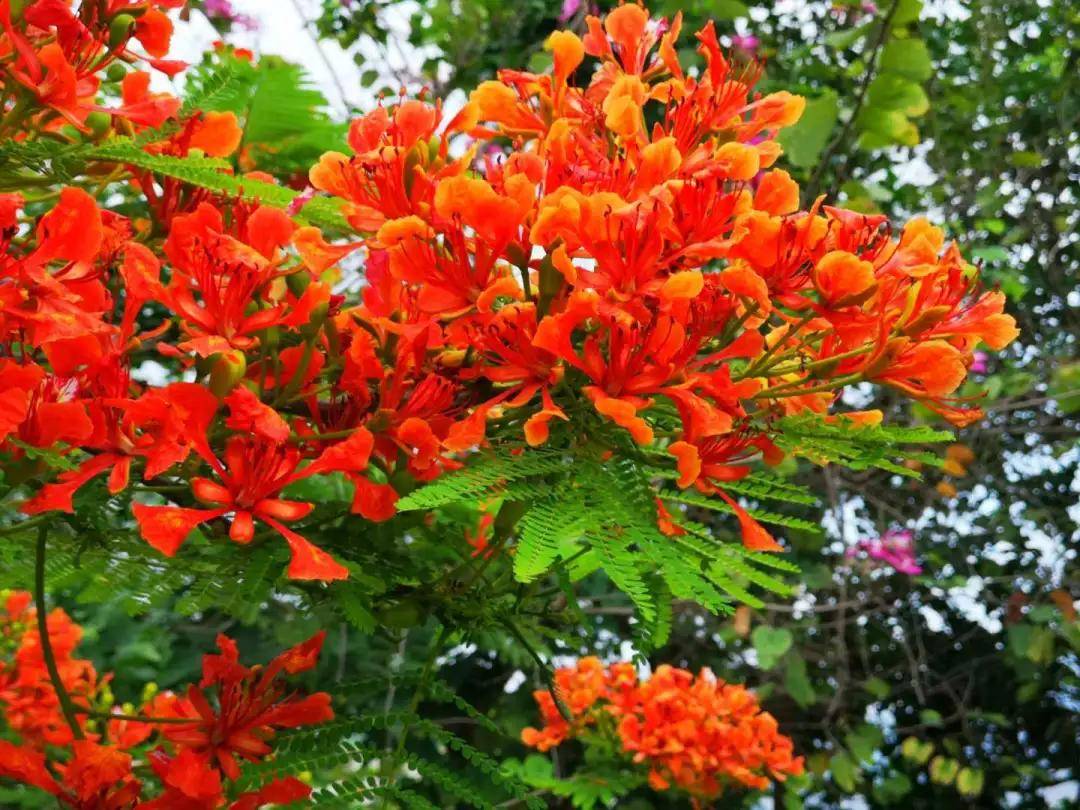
(433,147)
(120,30)
(318,318)
(116,72)
(227,370)
(298,282)
(99,123)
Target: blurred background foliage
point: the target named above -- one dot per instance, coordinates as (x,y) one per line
(959,686)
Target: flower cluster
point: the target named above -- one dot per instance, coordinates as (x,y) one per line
(28,701)
(697,734)
(190,743)
(620,251)
(58,57)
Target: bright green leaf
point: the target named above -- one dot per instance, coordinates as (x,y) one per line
(909,58)
(890,91)
(916,750)
(889,126)
(907,11)
(803,142)
(877,687)
(990,253)
(943,770)
(863,741)
(1026,160)
(797,682)
(770,644)
(727,9)
(893,788)
(930,717)
(1065,387)
(969,782)
(846,37)
(844,771)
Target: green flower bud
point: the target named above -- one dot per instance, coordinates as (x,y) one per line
(318,318)
(298,282)
(99,124)
(115,72)
(228,370)
(120,30)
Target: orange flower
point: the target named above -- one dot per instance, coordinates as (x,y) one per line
(933,369)
(696,734)
(843,279)
(217,134)
(567,53)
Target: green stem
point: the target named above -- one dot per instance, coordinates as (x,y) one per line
(23,525)
(823,362)
(545,670)
(66,706)
(136,718)
(832,385)
(759,363)
(418,695)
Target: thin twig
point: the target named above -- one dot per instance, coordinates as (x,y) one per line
(545,670)
(317,41)
(1029,403)
(868,76)
(421,690)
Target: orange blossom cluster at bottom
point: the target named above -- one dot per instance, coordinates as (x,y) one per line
(699,733)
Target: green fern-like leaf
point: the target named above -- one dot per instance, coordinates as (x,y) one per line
(545,529)
(697,499)
(484,476)
(859,447)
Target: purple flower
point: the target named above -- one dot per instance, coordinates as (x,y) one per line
(223,10)
(748,43)
(869,8)
(979,364)
(569,9)
(895,548)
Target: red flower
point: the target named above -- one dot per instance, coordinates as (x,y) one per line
(251,704)
(256,468)
(27,698)
(98,777)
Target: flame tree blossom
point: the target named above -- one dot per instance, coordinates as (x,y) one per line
(618,247)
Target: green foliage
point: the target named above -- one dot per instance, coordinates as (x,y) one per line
(606,513)
(770,644)
(348,763)
(1001,170)
(284,118)
(586,788)
(859,447)
(804,142)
